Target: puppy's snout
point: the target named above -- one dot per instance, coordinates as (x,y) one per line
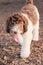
(15,32)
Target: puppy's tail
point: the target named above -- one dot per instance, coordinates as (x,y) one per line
(29,1)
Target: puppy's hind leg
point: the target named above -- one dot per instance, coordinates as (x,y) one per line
(36,32)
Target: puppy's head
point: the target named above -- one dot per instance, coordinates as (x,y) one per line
(16,25)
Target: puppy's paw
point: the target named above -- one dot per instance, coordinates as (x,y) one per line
(35,39)
(24,55)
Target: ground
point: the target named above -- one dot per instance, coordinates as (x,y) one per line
(9,50)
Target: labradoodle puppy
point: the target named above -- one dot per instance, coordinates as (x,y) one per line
(24,26)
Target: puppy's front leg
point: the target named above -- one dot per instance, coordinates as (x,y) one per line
(25,50)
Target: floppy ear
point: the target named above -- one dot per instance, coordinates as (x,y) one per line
(25,26)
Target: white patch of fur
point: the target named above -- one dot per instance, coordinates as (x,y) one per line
(16,29)
(36,32)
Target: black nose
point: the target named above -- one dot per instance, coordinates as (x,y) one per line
(15,32)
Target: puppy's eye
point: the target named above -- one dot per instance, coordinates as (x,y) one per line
(16,20)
